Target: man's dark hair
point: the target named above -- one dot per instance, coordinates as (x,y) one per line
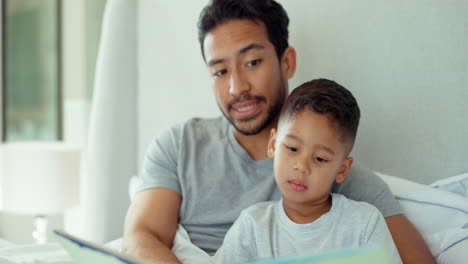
(271,13)
(325,97)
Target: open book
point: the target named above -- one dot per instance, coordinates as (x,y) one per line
(85,252)
(364,255)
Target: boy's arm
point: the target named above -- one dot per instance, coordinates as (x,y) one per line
(150,225)
(409,242)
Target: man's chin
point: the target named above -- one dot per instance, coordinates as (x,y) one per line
(249,128)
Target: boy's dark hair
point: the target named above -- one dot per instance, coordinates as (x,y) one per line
(271,13)
(325,97)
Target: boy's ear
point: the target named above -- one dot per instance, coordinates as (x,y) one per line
(271,143)
(345,167)
(288,62)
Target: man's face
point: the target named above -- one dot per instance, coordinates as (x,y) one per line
(309,156)
(247,79)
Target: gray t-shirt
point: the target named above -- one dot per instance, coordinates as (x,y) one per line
(264,231)
(202,161)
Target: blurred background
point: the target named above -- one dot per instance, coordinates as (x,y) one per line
(49,50)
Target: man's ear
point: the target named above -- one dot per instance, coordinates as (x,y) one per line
(271,143)
(288,62)
(345,168)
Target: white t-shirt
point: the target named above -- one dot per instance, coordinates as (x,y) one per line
(264,231)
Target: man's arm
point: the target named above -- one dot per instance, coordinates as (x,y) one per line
(408,241)
(150,225)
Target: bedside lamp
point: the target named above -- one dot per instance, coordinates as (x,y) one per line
(39,178)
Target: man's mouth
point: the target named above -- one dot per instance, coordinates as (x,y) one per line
(246,109)
(297,185)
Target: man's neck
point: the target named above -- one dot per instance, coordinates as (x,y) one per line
(255,145)
(304,213)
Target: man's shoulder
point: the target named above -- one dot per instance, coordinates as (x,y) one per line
(358,172)
(203,124)
(360,181)
(364,185)
(196,126)
(198,121)
(354,207)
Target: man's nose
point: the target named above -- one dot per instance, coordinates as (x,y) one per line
(238,84)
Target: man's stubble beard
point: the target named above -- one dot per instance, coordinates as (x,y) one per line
(273,112)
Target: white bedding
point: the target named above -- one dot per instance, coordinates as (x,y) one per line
(50,253)
(440,216)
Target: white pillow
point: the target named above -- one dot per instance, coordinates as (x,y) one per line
(456,184)
(440,216)
(429,209)
(449,246)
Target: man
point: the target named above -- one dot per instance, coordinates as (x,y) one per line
(203,172)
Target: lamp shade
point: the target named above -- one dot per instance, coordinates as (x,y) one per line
(39,177)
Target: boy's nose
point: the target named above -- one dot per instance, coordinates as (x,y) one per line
(302,166)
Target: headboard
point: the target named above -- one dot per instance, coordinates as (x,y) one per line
(405,61)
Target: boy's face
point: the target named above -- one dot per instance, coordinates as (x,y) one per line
(309,157)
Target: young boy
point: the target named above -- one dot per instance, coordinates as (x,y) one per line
(311,146)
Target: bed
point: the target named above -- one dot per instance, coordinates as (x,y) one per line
(406,63)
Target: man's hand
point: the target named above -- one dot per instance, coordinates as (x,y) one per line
(150,225)
(408,241)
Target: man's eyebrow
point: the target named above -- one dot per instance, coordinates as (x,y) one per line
(214,62)
(241,51)
(250,47)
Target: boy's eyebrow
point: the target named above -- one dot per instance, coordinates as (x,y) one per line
(293,137)
(241,51)
(327,149)
(320,146)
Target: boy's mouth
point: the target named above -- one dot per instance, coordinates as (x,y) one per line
(297,185)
